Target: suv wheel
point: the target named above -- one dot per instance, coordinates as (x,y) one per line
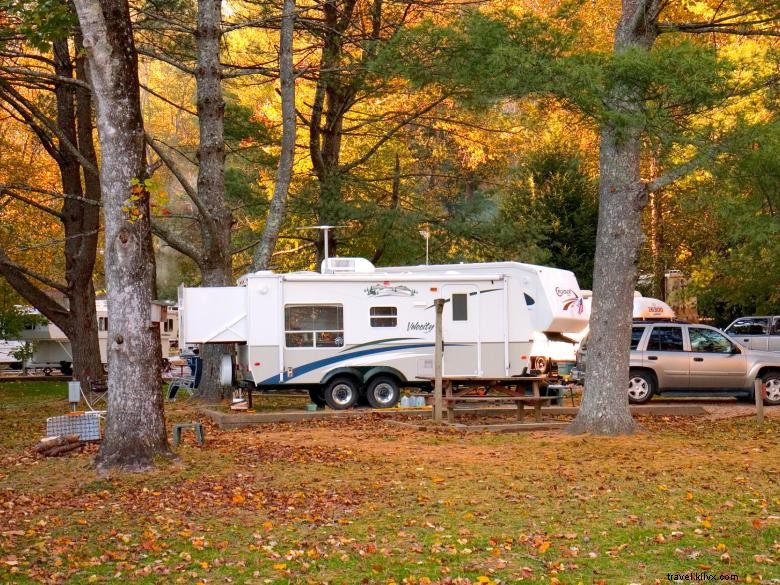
(772,383)
(641,387)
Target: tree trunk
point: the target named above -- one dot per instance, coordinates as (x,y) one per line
(622,198)
(264,251)
(210,388)
(135,423)
(216,266)
(81,221)
(332,100)
(657,244)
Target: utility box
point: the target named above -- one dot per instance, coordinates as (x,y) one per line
(74,392)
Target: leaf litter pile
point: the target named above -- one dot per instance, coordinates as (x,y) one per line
(358,500)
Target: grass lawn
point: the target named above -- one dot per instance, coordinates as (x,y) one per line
(360,501)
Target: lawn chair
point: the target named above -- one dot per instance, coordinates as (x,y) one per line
(187,383)
(96,395)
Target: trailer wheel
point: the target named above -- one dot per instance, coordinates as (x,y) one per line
(317,397)
(47,371)
(341,393)
(383,392)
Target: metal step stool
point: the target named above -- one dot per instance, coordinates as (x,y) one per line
(196,426)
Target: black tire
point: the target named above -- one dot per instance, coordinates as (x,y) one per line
(341,393)
(641,387)
(317,397)
(383,392)
(771,381)
(66,368)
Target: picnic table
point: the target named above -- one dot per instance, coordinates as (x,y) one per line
(477,391)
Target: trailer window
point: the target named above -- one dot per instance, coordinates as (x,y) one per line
(460,307)
(384,316)
(314,325)
(102,323)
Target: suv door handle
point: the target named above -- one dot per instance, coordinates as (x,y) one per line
(652,357)
(698,359)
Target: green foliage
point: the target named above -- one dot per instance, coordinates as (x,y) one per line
(13,318)
(673,82)
(739,273)
(558,202)
(42,21)
(479,58)
(24,352)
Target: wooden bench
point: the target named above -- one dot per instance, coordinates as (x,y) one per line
(521,401)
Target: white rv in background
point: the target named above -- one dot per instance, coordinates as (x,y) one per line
(7,359)
(52,350)
(355,330)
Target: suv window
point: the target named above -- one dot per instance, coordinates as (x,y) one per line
(775,327)
(749,326)
(707,340)
(665,339)
(636,336)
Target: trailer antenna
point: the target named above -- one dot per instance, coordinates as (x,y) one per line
(325,229)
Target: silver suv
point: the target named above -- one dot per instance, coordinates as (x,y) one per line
(686,359)
(762,333)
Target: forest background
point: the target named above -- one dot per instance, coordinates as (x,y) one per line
(413,140)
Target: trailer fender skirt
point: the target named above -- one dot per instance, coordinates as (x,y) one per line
(383,370)
(351,372)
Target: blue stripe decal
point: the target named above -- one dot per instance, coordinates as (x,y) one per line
(306,368)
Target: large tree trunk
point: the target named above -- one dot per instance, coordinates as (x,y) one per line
(273,223)
(622,197)
(80,219)
(216,267)
(135,423)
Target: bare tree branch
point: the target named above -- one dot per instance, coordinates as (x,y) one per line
(32,203)
(176,241)
(11,269)
(389,135)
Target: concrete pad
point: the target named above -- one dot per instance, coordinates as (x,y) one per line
(493,428)
(232,420)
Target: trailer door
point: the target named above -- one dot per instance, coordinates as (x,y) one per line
(461,331)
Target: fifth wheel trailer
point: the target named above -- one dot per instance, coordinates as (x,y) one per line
(355,330)
(52,350)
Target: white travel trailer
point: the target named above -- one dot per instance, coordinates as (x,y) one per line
(7,359)
(52,350)
(355,330)
(551,348)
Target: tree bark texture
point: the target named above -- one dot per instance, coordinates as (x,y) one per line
(273,223)
(135,423)
(622,198)
(216,221)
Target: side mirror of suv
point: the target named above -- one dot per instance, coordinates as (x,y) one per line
(735,349)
